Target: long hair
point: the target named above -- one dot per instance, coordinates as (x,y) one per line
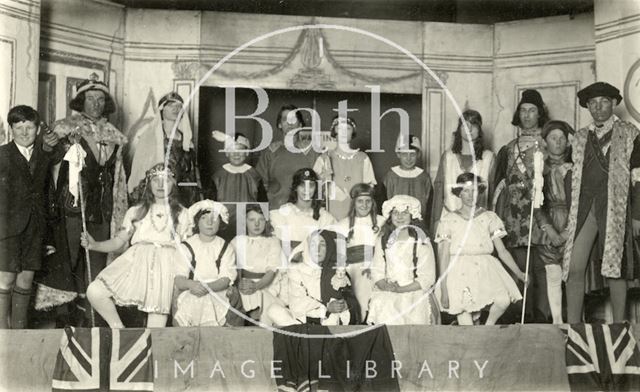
(352,214)
(77,104)
(388,228)
(299,178)
(474,118)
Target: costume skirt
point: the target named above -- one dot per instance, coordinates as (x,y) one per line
(209,310)
(142,276)
(475,281)
(400,308)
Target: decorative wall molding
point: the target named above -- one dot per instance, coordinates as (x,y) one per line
(11,44)
(618,28)
(81,38)
(580,54)
(22,10)
(58,56)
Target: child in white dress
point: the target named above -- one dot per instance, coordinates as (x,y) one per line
(207,272)
(143,275)
(403,268)
(259,256)
(361,228)
(473,278)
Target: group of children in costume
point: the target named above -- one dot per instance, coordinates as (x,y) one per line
(301,262)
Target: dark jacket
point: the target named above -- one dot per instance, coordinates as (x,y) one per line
(22,186)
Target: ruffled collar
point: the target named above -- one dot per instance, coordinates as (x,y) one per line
(101,131)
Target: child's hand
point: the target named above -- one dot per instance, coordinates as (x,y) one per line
(50,140)
(247,287)
(336,306)
(198,289)
(367,272)
(385,285)
(522,277)
(87,241)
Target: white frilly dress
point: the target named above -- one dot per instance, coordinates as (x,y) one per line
(396,264)
(475,278)
(143,275)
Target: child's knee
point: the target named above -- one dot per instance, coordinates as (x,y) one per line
(502,301)
(96,290)
(24,280)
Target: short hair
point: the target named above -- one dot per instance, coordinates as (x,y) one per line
(268,229)
(200,214)
(22,113)
(77,103)
(465,177)
(289,107)
(349,121)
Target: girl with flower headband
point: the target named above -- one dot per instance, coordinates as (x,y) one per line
(403,267)
(407,178)
(236,181)
(143,275)
(361,228)
(475,279)
(342,167)
(205,276)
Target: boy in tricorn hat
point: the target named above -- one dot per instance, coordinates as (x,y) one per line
(606,206)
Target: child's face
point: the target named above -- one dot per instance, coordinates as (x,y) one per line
(556,142)
(344,133)
(408,159)
(466,196)
(237,158)
(363,205)
(306,190)
(161,186)
(473,132)
(400,218)
(208,224)
(256,223)
(24,133)
(318,249)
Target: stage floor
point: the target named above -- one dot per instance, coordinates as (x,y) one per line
(510,357)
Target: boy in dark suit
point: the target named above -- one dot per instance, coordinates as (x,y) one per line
(24,166)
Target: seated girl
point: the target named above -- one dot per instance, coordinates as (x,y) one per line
(318,293)
(258,256)
(473,278)
(143,275)
(361,228)
(403,268)
(206,270)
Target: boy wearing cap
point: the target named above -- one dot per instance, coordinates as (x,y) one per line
(513,177)
(103,179)
(606,206)
(406,178)
(24,167)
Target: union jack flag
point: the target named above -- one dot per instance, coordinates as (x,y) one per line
(103,359)
(602,357)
